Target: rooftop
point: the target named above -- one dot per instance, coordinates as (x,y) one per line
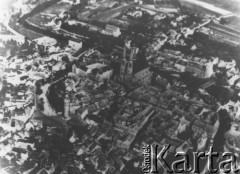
(207,6)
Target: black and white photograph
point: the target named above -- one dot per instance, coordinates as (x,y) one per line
(119,86)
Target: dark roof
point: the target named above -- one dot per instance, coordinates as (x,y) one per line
(223,28)
(84,68)
(106,68)
(138,66)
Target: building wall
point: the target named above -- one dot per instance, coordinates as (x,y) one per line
(144,76)
(107,74)
(180,67)
(75,45)
(112,30)
(198,72)
(203,7)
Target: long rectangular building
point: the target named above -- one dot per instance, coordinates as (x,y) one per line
(224,34)
(201,6)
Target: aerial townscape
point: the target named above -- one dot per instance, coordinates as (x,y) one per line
(86,84)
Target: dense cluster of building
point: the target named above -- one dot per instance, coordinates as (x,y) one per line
(81,107)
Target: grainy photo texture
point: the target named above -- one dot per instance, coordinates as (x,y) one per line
(119,86)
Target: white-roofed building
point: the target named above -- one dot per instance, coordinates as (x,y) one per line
(95,65)
(106,71)
(112,30)
(91,1)
(144,76)
(204,6)
(46,41)
(75,45)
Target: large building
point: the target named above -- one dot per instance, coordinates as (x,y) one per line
(75,45)
(144,76)
(225,34)
(204,7)
(106,71)
(112,30)
(126,70)
(195,68)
